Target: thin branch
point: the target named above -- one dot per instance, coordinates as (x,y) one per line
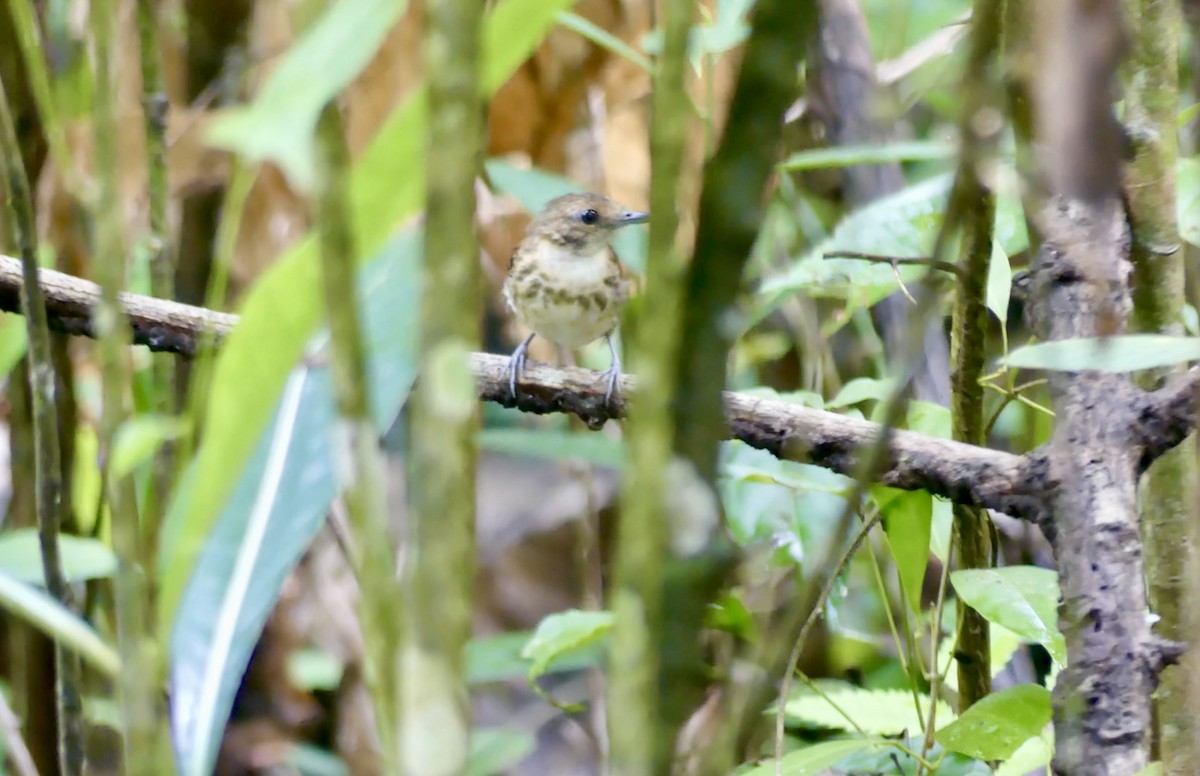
(898,261)
(48,476)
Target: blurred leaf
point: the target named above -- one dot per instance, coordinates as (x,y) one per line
(604,39)
(82,559)
(560,634)
(1023,599)
(497,658)
(314,669)
(861,389)
(729,614)
(277,507)
(1153,769)
(555,445)
(533,188)
(1125,353)
(999,283)
(993,728)
(1032,756)
(280,124)
(875,712)
(1187,199)
(907,517)
(139,438)
(927,418)
(848,156)
(12,341)
(45,614)
(85,479)
(284,306)
(495,750)
(309,760)
(818,758)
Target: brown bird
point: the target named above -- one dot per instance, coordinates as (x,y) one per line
(565,281)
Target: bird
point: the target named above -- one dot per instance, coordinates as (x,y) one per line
(565,281)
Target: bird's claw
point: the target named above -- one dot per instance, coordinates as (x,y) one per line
(613,377)
(516,365)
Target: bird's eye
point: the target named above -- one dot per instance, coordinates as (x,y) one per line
(589,217)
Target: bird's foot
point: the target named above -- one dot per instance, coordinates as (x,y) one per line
(516,365)
(612,376)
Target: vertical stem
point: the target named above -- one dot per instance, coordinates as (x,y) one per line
(640,743)
(979,127)
(1169,489)
(137,678)
(162,264)
(48,458)
(363,462)
(445,416)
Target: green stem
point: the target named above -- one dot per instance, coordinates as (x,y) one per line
(48,458)
(445,417)
(640,741)
(1169,490)
(365,486)
(136,684)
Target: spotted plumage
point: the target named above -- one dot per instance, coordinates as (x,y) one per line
(565,281)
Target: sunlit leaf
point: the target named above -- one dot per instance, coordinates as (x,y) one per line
(861,389)
(875,712)
(37,608)
(999,283)
(279,125)
(139,438)
(82,558)
(994,727)
(12,341)
(850,155)
(1125,353)
(1023,599)
(818,758)
(1034,754)
(497,658)
(907,519)
(561,634)
(496,750)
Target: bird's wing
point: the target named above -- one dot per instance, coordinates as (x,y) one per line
(632,283)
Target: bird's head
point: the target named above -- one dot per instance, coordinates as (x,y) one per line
(584,223)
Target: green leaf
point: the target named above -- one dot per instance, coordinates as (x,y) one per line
(1125,353)
(1153,769)
(497,658)
(927,418)
(41,611)
(12,341)
(1023,599)
(1034,754)
(907,521)
(313,669)
(875,712)
(139,438)
(818,758)
(1187,198)
(997,725)
(604,39)
(82,558)
(902,225)
(861,389)
(851,155)
(999,283)
(277,507)
(555,445)
(283,308)
(280,124)
(495,750)
(561,634)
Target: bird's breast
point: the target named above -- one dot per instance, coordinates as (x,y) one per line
(570,300)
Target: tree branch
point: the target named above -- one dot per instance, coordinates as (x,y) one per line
(1017,485)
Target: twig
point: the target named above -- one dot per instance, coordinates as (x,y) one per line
(48,458)
(897,261)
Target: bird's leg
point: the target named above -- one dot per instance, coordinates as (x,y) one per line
(516,364)
(613,373)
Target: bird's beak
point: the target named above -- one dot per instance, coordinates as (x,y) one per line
(632,217)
